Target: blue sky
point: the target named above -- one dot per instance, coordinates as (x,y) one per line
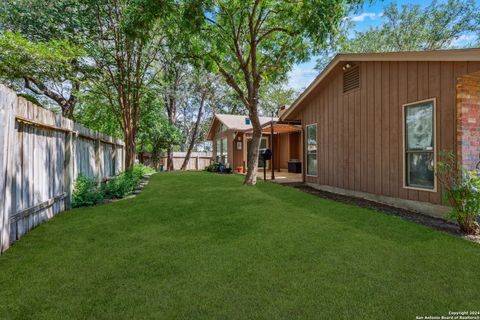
(370,15)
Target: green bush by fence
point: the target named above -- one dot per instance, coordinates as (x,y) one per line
(87,193)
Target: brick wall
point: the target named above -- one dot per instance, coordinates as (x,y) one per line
(468,120)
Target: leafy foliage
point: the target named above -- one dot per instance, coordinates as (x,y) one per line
(49,22)
(412,28)
(213,167)
(253,43)
(46,20)
(44,60)
(462,190)
(125,57)
(275,96)
(156,132)
(85,192)
(121,185)
(94,112)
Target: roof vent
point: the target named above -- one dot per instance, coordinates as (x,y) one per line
(351,77)
(247,121)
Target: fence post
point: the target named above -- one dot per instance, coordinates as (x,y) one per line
(98,160)
(68,169)
(114,160)
(196,165)
(8,101)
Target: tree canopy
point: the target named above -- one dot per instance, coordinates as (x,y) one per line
(253,43)
(53,35)
(411,27)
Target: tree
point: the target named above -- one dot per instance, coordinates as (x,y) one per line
(413,28)
(174,80)
(118,58)
(275,96)
(125,56)
(47,31)
(251,43)
(204,88)
(158,134)
(94,112)
(38,64)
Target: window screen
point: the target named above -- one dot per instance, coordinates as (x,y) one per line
(419,145)
(312,150)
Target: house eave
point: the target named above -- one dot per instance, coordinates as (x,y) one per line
(472,54)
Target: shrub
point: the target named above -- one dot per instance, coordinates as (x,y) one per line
(462,190)
(121,185)
(214,167)
(140,170)
(85,192)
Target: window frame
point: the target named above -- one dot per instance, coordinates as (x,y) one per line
(306,149)
(218,149)
(224,144)
(434,151)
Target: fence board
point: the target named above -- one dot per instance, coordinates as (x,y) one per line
(7,173)
(41,154)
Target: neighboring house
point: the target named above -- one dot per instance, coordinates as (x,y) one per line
(374,124)
(231,136)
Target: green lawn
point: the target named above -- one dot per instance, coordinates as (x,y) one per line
(202,246)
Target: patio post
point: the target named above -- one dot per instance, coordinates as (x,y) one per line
(272,148)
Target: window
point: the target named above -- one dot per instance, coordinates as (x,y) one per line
(263,145)
(224,150)
(218,150)
(220,128)
(419,122)
(312,150)
(221,152)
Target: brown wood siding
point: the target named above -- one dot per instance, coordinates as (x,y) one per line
(237,154)
(360,133)
(283,150)
(294,143)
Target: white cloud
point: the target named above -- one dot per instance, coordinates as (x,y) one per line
(463,40)
(302,75)
(361,17)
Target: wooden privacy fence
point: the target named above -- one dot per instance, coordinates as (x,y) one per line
(41,155)
(198,160)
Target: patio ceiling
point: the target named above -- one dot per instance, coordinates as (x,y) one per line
(278,128)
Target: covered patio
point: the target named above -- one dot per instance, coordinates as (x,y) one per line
(284,139)
(280,176)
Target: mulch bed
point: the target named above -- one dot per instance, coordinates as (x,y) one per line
(435,223)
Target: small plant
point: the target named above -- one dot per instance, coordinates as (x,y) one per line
(121,185)
(214,167)
(85,192)
(140,170)
(462,191)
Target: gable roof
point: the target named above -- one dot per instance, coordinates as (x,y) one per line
(472,54)
(235,122)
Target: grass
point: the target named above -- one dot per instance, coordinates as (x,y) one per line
(202,246)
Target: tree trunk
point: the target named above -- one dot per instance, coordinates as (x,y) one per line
(130,146)
(252,157)
(469,225)
(194,134)
(170,158)
(66,105)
